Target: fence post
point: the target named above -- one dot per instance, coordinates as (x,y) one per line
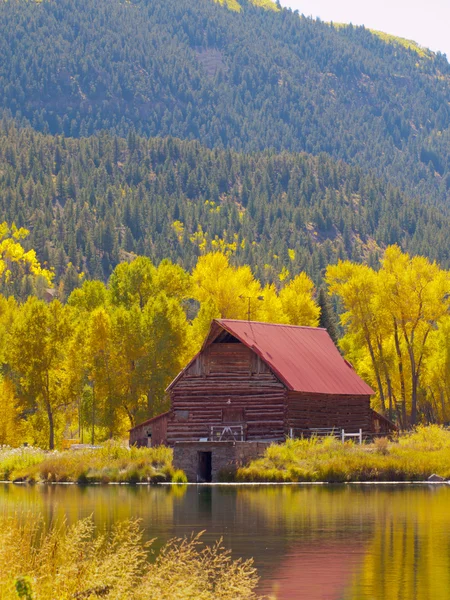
(291,433)
(360,437)
(343,435)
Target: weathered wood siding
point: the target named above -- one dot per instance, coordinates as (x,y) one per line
(305,411)
(381,425)
(139,436)
(227,384)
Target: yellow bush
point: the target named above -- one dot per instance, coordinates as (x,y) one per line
(78,562)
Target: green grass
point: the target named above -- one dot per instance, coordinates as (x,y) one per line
(80,562)
(236,7)
(413,458)
(112,463)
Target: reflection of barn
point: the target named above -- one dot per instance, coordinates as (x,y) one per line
(254,383)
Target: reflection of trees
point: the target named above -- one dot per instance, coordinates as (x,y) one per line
(107,505)
(313,510)
(403,533)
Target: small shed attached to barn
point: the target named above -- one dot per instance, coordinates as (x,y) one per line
(257,383)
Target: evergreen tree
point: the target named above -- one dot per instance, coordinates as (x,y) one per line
(328,319)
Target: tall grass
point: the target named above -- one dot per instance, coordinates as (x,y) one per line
(415,457)
(80,563)
(112,462)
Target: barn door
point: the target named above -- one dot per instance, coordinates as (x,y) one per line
(204,470)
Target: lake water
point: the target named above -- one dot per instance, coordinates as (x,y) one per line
(308,542)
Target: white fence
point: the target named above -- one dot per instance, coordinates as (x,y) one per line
(326,432)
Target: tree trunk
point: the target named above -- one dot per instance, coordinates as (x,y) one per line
(93,416)
(377,372)
(414,395)
(401,373)
(386,376)
(48,408)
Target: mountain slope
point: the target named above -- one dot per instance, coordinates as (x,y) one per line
(94,201)
(245,80)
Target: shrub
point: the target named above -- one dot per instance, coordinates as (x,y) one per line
(427,438)
(382,445)
(79,562)
(179,476)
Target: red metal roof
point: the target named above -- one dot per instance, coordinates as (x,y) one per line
(304,358)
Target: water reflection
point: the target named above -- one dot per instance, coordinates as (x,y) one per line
(312,543)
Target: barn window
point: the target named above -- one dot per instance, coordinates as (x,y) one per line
(182,415)
(232,415)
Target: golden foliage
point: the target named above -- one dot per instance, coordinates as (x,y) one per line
(12,254)
(79,562)
(391,318)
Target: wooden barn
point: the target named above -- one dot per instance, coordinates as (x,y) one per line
(257,383)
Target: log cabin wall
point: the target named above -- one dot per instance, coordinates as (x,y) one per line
(227,384)
(152,432)
(310,411)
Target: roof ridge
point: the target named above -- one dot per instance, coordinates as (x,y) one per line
(271,324)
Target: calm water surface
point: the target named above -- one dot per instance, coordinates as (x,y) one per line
(309,543)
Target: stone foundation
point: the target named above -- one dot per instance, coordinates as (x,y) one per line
(193,458)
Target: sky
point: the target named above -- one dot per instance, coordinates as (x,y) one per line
(427,23)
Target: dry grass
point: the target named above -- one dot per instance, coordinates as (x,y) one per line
(80,563)
(413,458)
(112,462)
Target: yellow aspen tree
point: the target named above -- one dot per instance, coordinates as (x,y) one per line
(297,302)
(436,376)
(130,357)
(234,290)
(15,262)
(102,375)
(165,332)
(357,287)
(419,296)
(133,283)
(11,425)
(36,353)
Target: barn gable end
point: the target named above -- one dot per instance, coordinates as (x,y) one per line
(227,384)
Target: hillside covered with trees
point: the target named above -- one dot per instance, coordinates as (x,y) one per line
(247,79)
(93,202)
